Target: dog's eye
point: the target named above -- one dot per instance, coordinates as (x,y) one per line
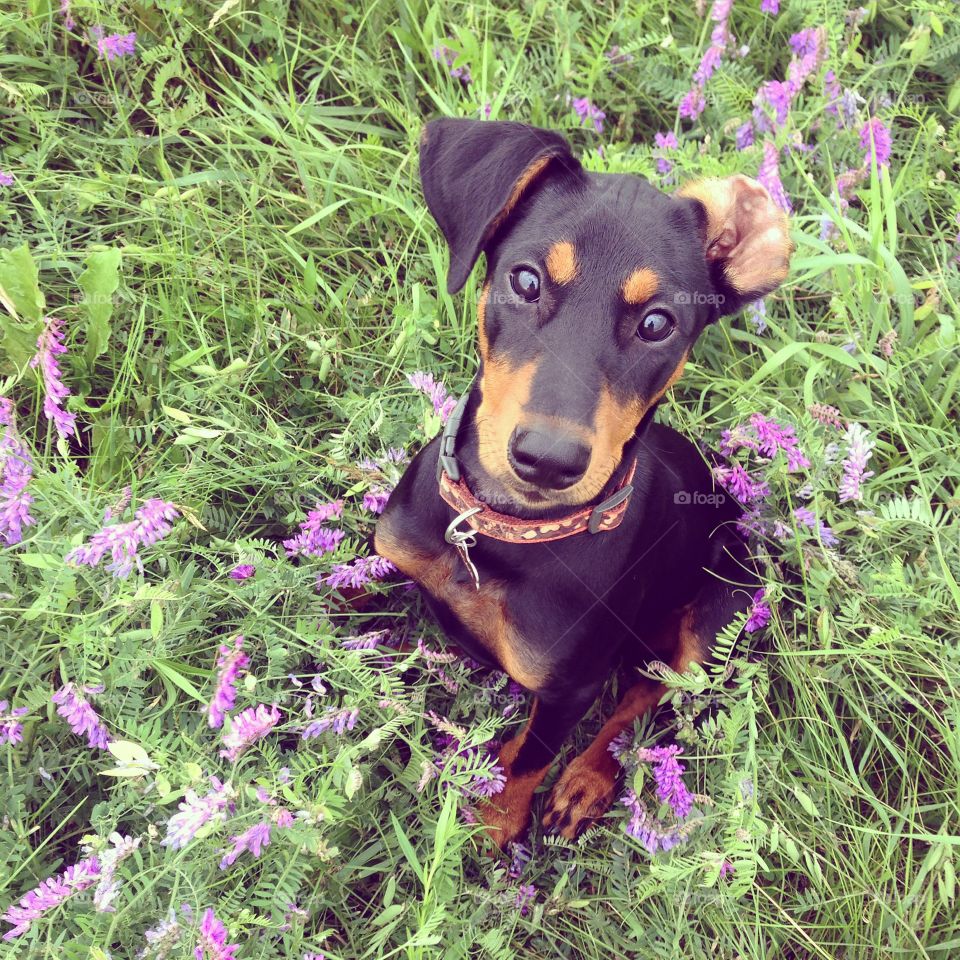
(526,284)
(655,326)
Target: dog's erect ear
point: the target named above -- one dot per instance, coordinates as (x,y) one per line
(746,238)
(474,172)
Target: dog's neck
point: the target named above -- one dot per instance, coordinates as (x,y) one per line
(488,489)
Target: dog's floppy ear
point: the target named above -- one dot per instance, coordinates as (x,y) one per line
(474,172)
(746,238)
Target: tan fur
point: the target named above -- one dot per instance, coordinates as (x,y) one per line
(640,286)
(483,612)
(524,181)
(562,262)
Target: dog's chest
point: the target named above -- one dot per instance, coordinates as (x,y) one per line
(483,614)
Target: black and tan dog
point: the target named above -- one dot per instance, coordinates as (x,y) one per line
(557,530)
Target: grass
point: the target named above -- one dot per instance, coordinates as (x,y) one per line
(277,276)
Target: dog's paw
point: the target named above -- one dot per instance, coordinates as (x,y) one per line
(583,793)
(505,816)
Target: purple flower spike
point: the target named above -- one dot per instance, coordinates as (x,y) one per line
(770,6)
(49,347)
(82,718)
(859,451)
(668,775)
(230,663)
(526,894)
(338,720)
(436,392)
(51,893)
(152,522)
(585,110)
(759,615)
(875,139)
(358,573)
(769,176)
(315,538)
(16,469)
(247,728)
(653,834)
(6,180)
(117,45)
(243,571)
(11,729)
(254,839)
(212,944)
(375,499)
(195,812)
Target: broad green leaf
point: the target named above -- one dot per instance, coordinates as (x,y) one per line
(99,282)
(21,305)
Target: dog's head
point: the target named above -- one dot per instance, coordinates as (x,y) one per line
(597,286)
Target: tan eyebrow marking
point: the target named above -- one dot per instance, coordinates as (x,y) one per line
(562,262)
(641,285)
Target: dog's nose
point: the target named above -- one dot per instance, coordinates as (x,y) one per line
(548,459)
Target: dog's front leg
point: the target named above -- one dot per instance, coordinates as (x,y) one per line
(528,756)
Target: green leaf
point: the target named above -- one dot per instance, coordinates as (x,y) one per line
(20,297)
(99,281)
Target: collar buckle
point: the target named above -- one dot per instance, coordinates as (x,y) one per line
(614,500)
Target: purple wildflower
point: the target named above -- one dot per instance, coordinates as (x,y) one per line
(769,176)
(11,729)
(759,614)
(586,110)
(366,641)
(771,105)
(663,142)
(653,834)
(16,469)
(808,48)
(875,139)
(51,893)
(315,539)
(859,451)
(247,727)
(196,812)
(253,839)
(243,571)
(526,894)
(488,784)
(212,944)
(773,436)
(6,180)
(338,720)
(49,347)
(117,509)
(82,718)
(808,518)
(447,56)
(152,522)
(375,499)
(692,104)
(739,484)
(230,663)
(68,20)
(436,392)
(520,856)
(726,869)
(668,776)
(832,91)
(770,6)
(116,45)
(358,573)
(744,136)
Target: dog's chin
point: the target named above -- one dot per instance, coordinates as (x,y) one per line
(524,496)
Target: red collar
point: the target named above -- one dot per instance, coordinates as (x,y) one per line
(499,526)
